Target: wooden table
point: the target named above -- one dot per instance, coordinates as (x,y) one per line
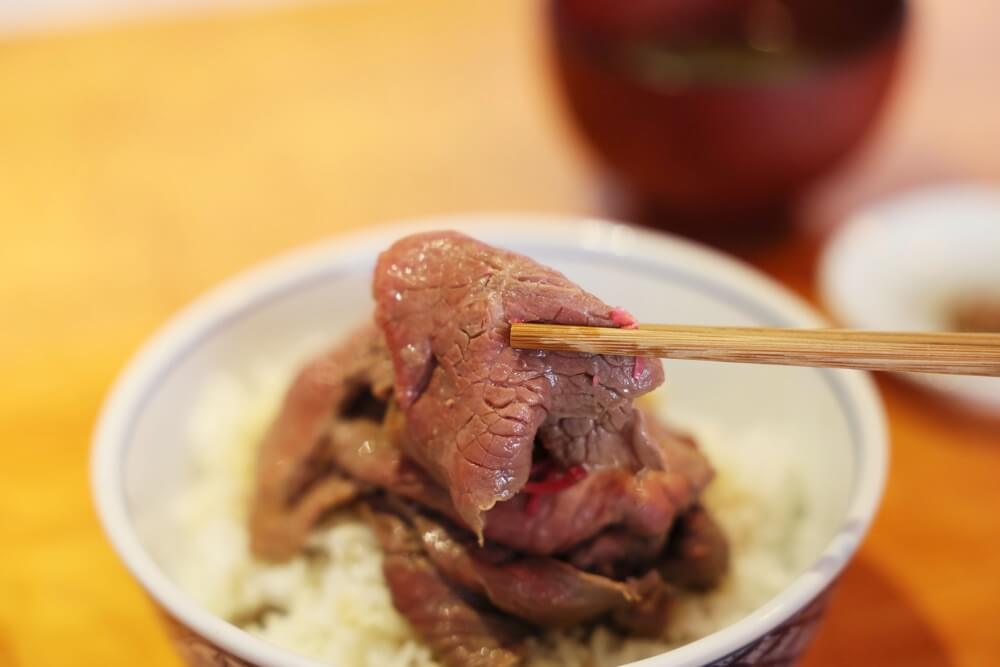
(140,165)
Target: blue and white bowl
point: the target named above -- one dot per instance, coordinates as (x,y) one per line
(832,421)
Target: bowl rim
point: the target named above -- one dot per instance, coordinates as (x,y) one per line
(245,289)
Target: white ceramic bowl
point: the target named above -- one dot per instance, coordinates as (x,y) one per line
(900,264)
(832,420)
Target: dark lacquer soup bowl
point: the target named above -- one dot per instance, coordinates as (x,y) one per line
(716,111)
(828,426)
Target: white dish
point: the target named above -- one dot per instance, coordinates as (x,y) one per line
(833,419)
(900,264)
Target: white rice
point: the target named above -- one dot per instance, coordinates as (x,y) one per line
(336,607)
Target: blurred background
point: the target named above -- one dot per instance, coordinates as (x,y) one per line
(151,148)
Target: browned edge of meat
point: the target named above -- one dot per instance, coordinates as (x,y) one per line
(461,630)
(697,554)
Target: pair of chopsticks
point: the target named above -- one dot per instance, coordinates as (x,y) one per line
(952,353)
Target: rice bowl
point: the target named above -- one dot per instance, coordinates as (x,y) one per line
(177,518)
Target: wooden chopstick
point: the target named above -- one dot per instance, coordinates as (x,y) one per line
(954,353)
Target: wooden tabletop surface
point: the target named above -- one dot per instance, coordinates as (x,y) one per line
(141,164)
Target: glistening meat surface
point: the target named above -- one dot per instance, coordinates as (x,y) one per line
(473,404)
(509,490)
(543,591)
(460,628)
(297,481)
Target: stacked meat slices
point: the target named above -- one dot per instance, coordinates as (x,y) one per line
(509,489)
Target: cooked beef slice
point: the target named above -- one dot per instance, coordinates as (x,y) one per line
(617,553)
(297,480)
(697,554)
(601,440)
(643,503)
(473,404)
(368,452)
(279,532)
(551,593)
(459,628)
(507,488)
(452,552)
(334,439)
(543,591)
(649,616)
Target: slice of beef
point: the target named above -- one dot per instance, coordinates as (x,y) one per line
(648,617)
(552,593)
(508,489)
(617,553)
(279,531)
(367,451)
(661,448)
(298,481)
(543,591)
(697,554)
(644,504)
(473,404)
(460,630)
(450,552)
(604,439)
